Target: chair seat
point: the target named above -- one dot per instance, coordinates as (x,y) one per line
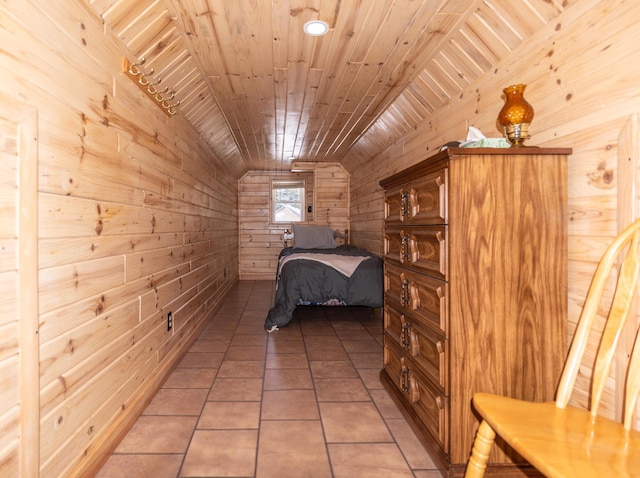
(562,442)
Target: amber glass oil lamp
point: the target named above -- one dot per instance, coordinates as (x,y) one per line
(516,115)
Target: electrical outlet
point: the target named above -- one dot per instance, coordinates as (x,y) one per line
(169,321)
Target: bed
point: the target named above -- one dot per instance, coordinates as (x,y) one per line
(316,271)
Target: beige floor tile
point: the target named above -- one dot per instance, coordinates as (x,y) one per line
(158,434)
(287,332)
(280,361)
(387,407)
(236,390)
(429,474)
(286,347)
(362,346)
(144,465)
(217,334)
(353,422)
(359,335)
(341,390)
(324,340)
(334,369)
(230,415)
(347,324)
(344,318)
(366,360)
(256,329)
(412,449)
(322,352)
(241,369)
(226,319)
(287,379)
(191,378)
(371,378)
(177,401)
(379,339)
(292,449)
(289,405)
(202,360)
(368,460)
(246,352)
(256,309)
(207,346)
(309,392)
(250,340)
(318,330)
(216,453)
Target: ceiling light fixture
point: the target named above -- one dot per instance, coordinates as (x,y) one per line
(316,28)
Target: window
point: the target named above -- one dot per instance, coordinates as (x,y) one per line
(287,200)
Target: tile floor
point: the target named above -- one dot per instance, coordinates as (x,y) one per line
(304,401)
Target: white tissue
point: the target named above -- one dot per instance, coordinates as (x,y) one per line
(474,134)
(475,139)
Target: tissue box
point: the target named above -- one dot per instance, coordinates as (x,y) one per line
(488,143)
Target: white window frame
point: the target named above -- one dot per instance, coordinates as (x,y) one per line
(287,184)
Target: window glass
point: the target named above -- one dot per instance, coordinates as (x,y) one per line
(287,200)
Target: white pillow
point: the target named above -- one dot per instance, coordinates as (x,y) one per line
(313,237)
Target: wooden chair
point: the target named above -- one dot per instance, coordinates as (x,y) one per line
(561,440)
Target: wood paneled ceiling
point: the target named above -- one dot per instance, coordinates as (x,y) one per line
(262,93)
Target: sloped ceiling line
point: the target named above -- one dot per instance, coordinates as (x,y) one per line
(263,94)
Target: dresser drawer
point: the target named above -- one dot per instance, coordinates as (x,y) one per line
(422,297)
(396,327)
(426,348)
(419,248)
(397,366)
(432,408)
(429,404)
(423,201)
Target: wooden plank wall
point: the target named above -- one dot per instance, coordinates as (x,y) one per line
(628,211)
(9,306)
(581,72)
(136,219)
(260,240)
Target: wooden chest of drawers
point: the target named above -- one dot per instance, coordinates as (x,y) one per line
(475,248)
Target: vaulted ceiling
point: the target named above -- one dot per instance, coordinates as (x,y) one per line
(263,94)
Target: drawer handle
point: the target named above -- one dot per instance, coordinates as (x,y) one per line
(404,205)
(404,379)
(405,297)
(404,249)
(404,337)
(440,403)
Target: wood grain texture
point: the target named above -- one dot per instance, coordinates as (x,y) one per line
(509,230)
(101,144)
(581,100)
(264,94)
(327,186)
(498,299)
(136,217)
(628,211)
(562,440)
(19,387)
